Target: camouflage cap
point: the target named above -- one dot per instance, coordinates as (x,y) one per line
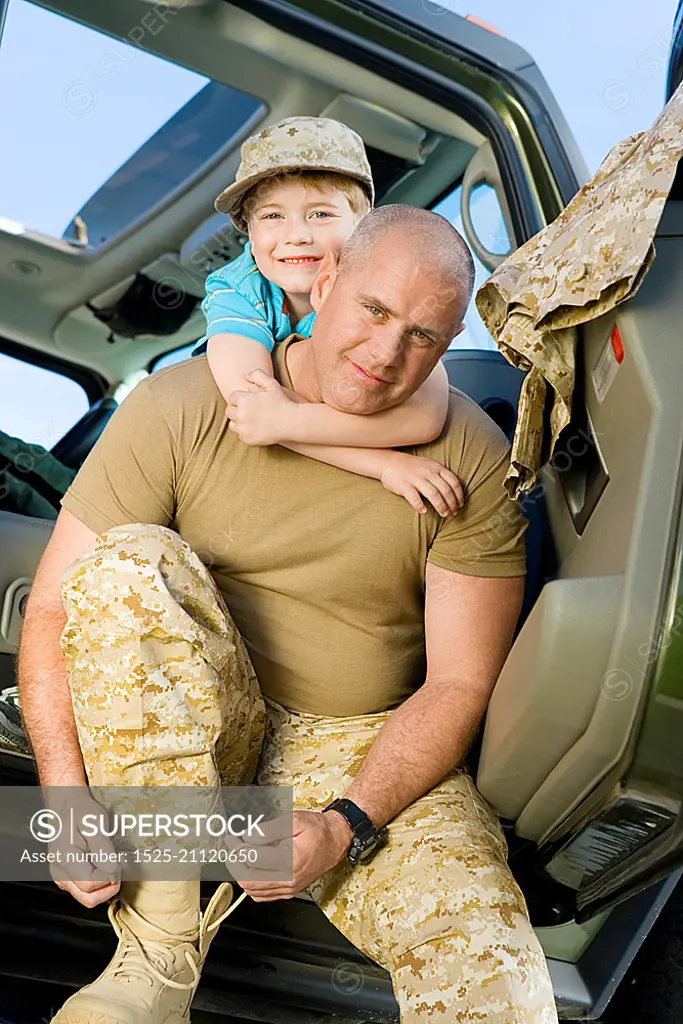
(296,144)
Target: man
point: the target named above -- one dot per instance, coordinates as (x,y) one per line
(376,634)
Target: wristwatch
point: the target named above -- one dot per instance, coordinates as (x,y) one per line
(367,838)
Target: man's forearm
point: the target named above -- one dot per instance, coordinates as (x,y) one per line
(422,740)
(45,699)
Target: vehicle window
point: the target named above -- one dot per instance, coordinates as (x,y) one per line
(171,358)
(112,156)
(36,404)
(487,218)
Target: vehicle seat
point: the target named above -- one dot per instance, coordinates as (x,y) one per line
(73,449)
(494,384)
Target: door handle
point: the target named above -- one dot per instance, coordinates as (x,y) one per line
(14,609)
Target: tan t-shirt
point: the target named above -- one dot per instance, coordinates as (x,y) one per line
(322,570)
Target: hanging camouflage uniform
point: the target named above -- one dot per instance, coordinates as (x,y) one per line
(591,258)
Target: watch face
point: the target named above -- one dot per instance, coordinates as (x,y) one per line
(365,849)
(366,843)
(358,852)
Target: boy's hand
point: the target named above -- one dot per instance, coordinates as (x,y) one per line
(410,476)
(261,416)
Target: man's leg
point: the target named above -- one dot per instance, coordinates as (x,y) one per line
(451,921)
(163,689)
(438,906)
(164,693)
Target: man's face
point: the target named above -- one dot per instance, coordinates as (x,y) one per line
(381,328)
(291,229)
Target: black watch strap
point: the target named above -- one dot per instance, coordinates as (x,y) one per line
(367,838)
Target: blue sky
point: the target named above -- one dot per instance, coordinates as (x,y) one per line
(605,60)
(81,104)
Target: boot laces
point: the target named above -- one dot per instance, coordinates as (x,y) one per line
(211,926)
(155,958)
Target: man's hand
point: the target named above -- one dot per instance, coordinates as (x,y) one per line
(263,415)
(88,883)
(319,841)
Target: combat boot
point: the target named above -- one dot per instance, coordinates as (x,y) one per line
(163,942)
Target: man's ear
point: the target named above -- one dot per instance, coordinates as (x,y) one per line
(324,281)
(460,329)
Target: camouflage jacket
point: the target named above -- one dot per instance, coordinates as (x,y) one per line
(592,257)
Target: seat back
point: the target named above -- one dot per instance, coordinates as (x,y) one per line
(488,379)
(494,384)
(73,449)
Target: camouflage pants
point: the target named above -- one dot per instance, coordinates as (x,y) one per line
(164,693)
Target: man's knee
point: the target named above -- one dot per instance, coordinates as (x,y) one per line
(129,556)
(133,541)
(140,577)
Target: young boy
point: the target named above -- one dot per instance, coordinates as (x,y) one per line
(301,188)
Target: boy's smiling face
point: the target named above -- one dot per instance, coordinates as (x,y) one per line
(292,226)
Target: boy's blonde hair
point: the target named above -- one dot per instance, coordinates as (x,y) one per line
(357,195)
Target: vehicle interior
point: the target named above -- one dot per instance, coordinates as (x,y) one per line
(567,740)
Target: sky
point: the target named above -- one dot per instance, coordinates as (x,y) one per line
(605,60)
(81,104)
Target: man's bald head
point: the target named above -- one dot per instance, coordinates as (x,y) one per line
(387,309)
(431,240)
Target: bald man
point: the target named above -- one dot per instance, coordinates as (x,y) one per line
(209,612)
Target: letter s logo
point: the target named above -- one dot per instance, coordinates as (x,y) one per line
(45,826)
